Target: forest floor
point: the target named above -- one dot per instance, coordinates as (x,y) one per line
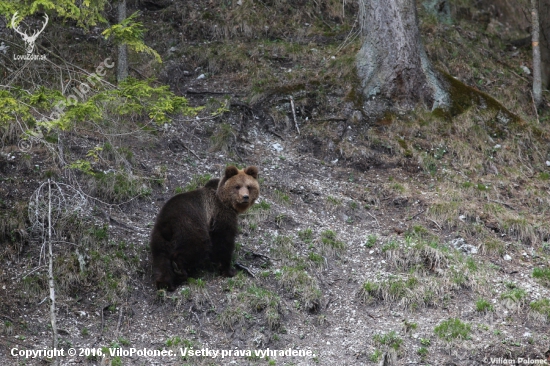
(407,241)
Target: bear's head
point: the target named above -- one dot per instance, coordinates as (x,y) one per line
(239,189)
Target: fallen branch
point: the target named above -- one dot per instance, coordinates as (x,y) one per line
(196,316)
(436,224)
(119,320)
(276,134)
(371,215)
(191,91)
(294,114)
(502,203)
(246,269)
(417,214)
(50,268)
(191,151)
(258,255)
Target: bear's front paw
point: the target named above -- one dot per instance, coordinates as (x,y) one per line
(230,272)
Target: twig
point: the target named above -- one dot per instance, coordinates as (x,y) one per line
(264,257)
(502,203)
(137,71)
(246,269)
(191,151)
(436,224)
(102,320)
(196,316)
(371,215)
(191,91)
(331,119)
(519,76)
(7,317)
(276,134)
(419,213)
(34,270)
(119,320)
(294,114)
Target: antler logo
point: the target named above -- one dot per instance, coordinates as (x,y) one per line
(29,40)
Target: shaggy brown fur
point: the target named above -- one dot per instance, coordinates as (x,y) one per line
(199,225)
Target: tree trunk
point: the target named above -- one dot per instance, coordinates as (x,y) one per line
(122,65)
(544,20)
(537,86)
(392,64)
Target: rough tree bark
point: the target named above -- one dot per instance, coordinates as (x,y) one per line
(544,18)
(392,64)
(122,64)
(537,85)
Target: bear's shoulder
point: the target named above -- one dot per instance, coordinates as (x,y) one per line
(212,184)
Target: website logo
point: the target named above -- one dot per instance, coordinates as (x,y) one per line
(28,39)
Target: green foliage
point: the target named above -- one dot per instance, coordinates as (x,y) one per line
(138,96)
(452,329)
(13,106)
(422,352)
(130,32)
(261,206)
(117,187)
(514,294)
(197,181)
(282,196)
(87,110)
(542,307)
(542,274)
(306,235)
(371,241)
(315,258)
(390,245)
(82,165)
(133,98)
(328,237)
(390,339)
(86,13)
(173,341)
(483,306)
(375,355)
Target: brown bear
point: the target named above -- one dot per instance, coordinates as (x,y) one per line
(201,225)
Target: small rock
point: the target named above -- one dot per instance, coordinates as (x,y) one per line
(460,244)
(201,76)
(547,162)
(526,69)
(507,257)
(277,147)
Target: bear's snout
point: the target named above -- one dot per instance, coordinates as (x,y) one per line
(245,198)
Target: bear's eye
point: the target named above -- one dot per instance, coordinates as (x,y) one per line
(238,187)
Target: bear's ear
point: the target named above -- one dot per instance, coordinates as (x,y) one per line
(230,171)
(253,171)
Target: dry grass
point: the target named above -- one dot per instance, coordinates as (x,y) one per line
(423,274)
